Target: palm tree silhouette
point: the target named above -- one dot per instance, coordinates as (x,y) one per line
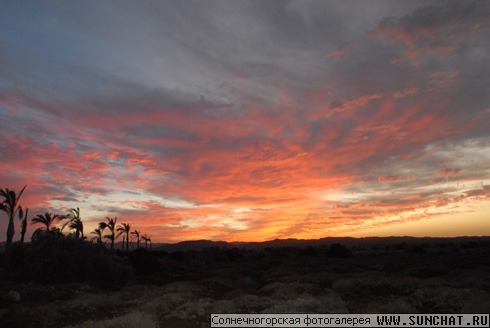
(147,239)
(75,222)
(10,205)
(98,235)
(47,220)
(111,225)
(136,235)
(124,228)
(23,227)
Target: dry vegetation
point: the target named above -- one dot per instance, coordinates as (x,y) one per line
(444,278)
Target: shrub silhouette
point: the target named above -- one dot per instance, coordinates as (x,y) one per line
(471,244)
(178,256)
(233,255)
(110,271)
(338,251)
(309,251)
(223,254)
(54,258)
(144,262)
(13,268)
(417,249)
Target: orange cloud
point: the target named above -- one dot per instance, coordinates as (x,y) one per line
(339,52)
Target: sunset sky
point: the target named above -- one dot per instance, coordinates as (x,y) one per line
(249,120)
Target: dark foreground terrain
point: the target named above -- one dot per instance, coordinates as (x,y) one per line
(443,276)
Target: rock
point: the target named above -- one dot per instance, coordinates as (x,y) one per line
(14,296)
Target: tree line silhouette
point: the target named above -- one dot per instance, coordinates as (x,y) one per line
(10,206)
(54,256)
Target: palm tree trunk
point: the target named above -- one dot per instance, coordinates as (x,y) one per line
(23,231)
(23,228)
(10,234)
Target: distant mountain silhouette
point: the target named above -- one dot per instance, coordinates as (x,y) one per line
(190,245)
(198,245)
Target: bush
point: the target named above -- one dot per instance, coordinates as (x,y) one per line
(418,249)
(144,262)
(471,244)
(230,255)
(309,251)
(110,271)
(338,251)
(53,258)
(14,263)
(178,256)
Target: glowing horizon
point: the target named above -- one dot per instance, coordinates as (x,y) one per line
(249,120)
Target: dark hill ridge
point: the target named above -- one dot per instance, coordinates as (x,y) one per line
(198,245)
(190,245)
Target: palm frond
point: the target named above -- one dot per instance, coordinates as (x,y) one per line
(21,192)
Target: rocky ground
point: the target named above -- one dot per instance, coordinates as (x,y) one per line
(189,288)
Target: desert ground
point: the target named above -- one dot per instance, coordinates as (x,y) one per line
(425,277)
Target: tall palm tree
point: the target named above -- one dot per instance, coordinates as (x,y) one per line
(75,222)
(124,228)
(47,220)
(102,226)
(111,225)
(147,239)
(136,235)
(23,227)
(10,205)
(77,225)
(98,235)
